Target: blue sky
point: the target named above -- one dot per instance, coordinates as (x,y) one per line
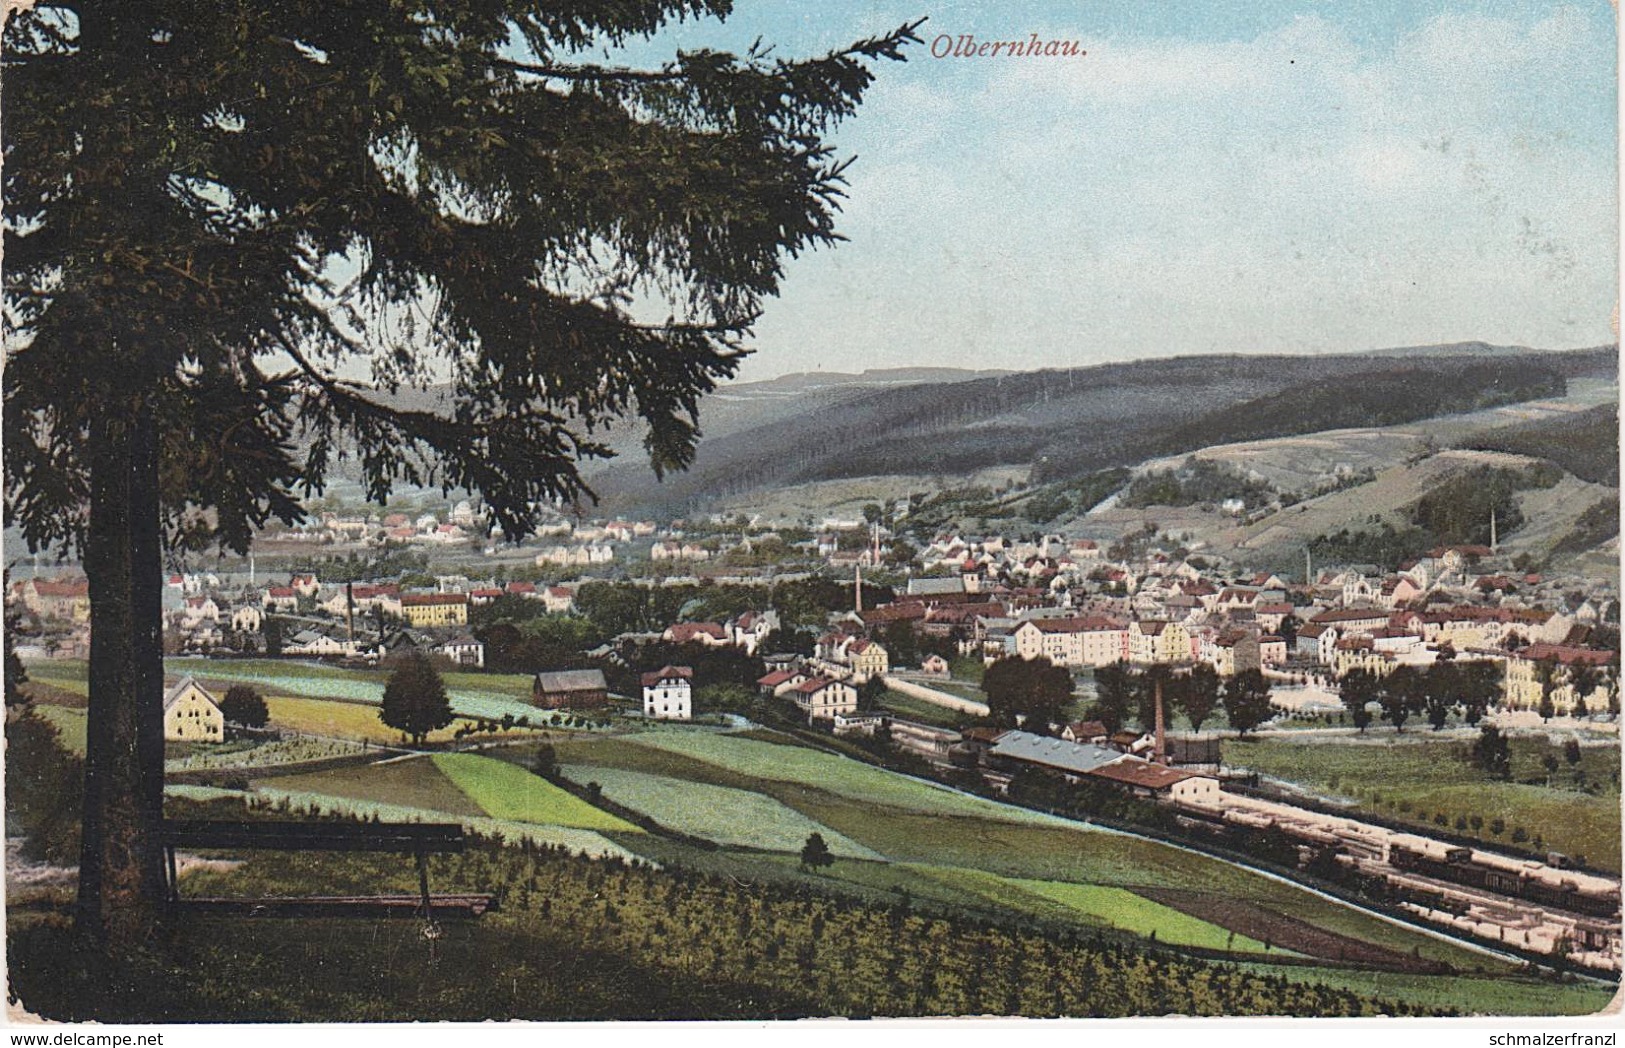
(1211,177)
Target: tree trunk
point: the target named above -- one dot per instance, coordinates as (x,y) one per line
(121,872)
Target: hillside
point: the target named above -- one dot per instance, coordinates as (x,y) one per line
(1033,420)
(1585,443)
(1380,475)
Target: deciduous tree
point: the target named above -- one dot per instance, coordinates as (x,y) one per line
(1359,688)
(415,699)
(1247,700)
(1199,694)
(237,232)
(1030,692)
(244,706)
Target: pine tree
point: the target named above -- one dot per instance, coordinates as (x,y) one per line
(815,854)
(219,214)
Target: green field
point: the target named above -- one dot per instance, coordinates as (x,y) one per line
(507,792)
(759,760)
(69,722)
(1107,906)
(1429,777)
(488,695)
(290,802)
(910,708)
(717,813)
(914,823)
(65,674)
(415,783)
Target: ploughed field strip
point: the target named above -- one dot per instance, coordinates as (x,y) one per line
(1289,933)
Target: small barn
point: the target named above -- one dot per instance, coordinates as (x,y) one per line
(570,690)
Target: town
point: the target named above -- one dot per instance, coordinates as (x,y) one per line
(912,646)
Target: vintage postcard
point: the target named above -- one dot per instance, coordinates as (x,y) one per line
(728,510)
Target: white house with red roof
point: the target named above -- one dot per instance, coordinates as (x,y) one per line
(280,598)
(668,693)
(558,600)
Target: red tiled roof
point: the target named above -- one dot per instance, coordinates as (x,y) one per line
(1134,772)
(667,673)
(1568,655)
(683,632)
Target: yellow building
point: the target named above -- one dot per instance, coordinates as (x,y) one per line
(1153,640)
(868,659)
(191,714)
(1357,653)
(1524,685)
(434,609)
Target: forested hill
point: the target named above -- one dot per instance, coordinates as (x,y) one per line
(1066,423)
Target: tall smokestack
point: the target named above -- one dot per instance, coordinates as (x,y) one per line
(1161,750)
(857,588)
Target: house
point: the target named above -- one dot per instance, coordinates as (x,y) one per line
(422,610)
(1317,641)
(867,659)
(1524,686)
(305,585)
(65,599)
(558,600)
(668,693)
(750,629)
(821,698)
(197,610)
(316,644)
(710,634)
(464,651)
(935,666)
(1156,781)
(247,618)
(1360,653)
(280,598)
(1231,652)
(570,690)
(1085,731)
(1353,620)
(1155,640)
(1269,616)
(780,681)
(192,715)
(1072,642)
